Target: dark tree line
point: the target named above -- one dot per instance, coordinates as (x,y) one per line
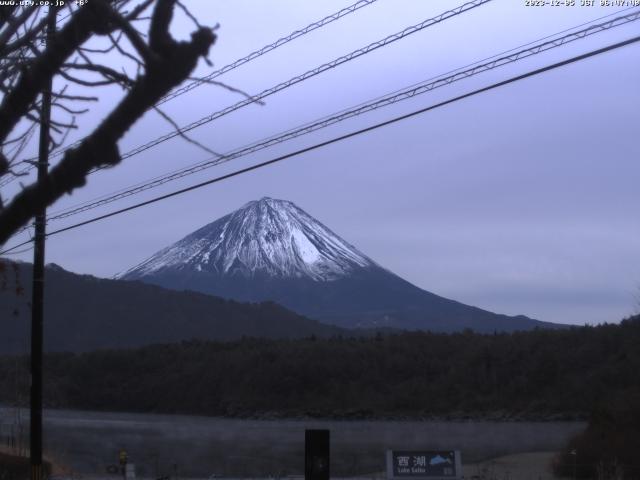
(538,374)
(609,446)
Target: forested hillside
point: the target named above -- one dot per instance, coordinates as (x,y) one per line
(86,313)
(538,374)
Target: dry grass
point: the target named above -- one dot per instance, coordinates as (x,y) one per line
(521,466)
(20,463)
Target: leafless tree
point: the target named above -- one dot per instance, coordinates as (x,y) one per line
(28,62)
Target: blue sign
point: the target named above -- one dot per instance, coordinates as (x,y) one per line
(431,465)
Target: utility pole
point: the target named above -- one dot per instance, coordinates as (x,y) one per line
(37,300)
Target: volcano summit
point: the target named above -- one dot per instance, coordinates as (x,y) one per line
(272,250)
(265,238)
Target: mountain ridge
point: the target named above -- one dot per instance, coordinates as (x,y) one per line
(271,249)
(85,313)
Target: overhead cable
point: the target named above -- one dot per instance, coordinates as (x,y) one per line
(415,90)
(316,146)
(295,80)
(267,48)
(227,68)
(309,74)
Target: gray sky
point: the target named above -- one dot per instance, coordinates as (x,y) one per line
(522,200)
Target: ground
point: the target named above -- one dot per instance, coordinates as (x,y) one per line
(521,466)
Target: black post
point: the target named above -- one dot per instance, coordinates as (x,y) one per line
(316,455)
(37,300)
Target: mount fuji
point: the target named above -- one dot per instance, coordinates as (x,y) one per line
(272,250)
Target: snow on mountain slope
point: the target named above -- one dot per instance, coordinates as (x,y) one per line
(265,237)
(271,250)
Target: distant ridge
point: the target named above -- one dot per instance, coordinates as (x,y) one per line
(271,249)
(85,313)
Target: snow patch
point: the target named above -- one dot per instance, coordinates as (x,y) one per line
(268,236)
(307,250)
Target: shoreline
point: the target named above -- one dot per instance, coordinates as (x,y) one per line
(353,415)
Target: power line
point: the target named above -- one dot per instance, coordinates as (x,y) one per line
(227,68)
(292,81)
(309,74)
(267,48)
(389,99)
(211,161)
(24,250)
(11,249)
(316,146)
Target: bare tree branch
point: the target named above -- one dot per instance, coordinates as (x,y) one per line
(136,40)
(92,18)
(184,135)
(135,13)
(30,35)
(169,64)
(228,87)
(14,24)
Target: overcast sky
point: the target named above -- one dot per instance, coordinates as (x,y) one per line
(521,200)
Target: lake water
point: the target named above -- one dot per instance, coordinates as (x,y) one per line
(179,445)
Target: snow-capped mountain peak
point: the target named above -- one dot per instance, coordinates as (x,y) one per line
(264,237)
